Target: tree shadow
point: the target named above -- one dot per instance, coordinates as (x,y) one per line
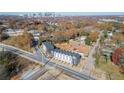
(10,63)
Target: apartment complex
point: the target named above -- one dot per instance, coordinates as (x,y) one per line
(62,55)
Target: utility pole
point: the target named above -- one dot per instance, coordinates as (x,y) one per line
(2,51)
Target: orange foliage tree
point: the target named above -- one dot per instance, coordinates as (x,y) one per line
(93,36)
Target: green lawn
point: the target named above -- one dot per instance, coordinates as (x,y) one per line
(112,71)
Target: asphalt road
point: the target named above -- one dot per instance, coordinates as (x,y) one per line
(35,74)
(90,60)
(71,72)
(40,58)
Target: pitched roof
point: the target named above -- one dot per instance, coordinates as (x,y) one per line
(48,45)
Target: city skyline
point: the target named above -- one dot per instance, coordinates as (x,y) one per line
(69,13)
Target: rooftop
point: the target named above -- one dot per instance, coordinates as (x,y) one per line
(52,47)
(48,45)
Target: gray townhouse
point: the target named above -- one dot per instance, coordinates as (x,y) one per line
(65,56)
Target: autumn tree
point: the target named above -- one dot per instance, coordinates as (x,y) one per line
(0,33)
(10,63)
(106,26)
(122,59)
(84,33)
(118,37)
(88,41)
(40,41)
(122,28)
(118,56)
(23,41)
(12,23)
(93,36)
(3,36)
